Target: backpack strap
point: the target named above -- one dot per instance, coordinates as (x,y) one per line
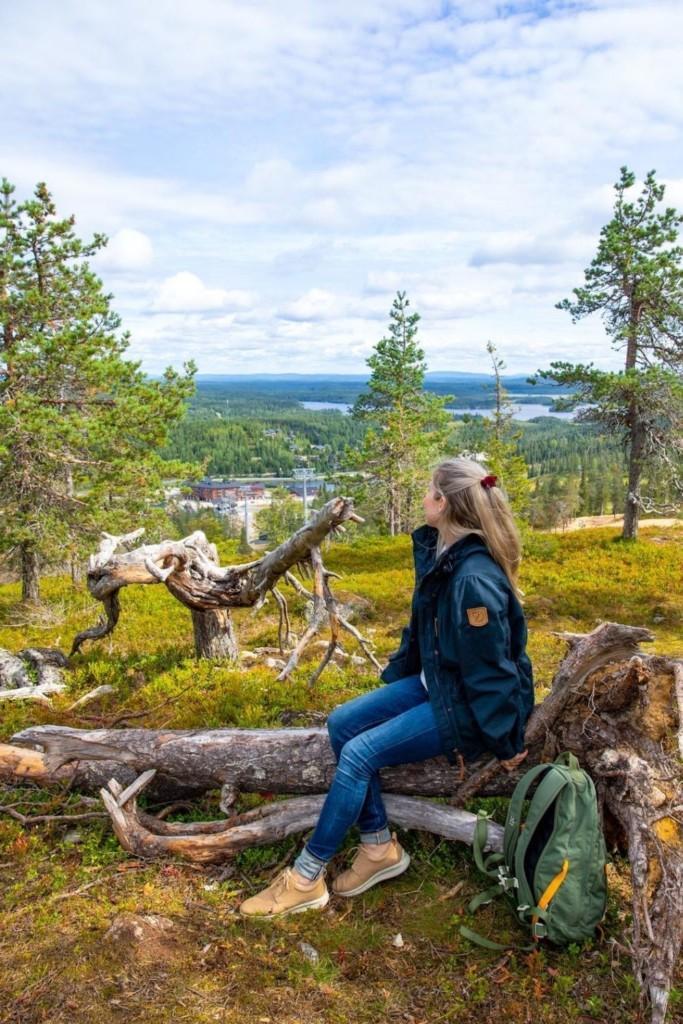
(546,794)
(480,940)
(496,865)
(493,866)
(514,815)
(513,821)
(479,840)
(536,924)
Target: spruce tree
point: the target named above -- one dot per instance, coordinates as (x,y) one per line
(407,428)
(80,426)
(635,282)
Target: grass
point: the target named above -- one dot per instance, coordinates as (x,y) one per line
(62,885)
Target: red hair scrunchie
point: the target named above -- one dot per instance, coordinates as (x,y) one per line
(488,481)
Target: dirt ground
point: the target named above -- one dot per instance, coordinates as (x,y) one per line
(589,522)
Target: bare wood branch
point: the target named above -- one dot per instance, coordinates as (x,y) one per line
(99,691)
(144,836)
(42,819)
(190,570)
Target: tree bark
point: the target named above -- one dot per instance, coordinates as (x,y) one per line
(636,432)
(635,471)
(214,634)
(30,573)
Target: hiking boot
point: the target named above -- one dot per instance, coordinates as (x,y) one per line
(365,873)
(283,896)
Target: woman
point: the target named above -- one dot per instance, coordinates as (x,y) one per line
(460,684)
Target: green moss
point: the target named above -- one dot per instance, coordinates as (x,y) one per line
(54,964)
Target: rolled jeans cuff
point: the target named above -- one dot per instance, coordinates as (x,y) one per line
(308,865)
(383,835)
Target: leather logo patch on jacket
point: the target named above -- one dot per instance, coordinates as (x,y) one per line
(477,616)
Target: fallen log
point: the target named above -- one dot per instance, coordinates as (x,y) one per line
(617,708)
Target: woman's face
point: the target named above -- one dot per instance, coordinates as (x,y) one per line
(434,505)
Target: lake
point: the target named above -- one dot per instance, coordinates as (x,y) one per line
(522,412)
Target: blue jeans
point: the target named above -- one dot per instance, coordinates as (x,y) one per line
(393,724)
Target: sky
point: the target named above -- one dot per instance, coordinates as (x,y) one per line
(269,173)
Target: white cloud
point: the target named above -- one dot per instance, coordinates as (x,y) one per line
(526,248)
(185,292)
(128,249)
(319,157)
(316,304)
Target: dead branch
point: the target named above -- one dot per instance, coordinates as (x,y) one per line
(190,570)
(210,842)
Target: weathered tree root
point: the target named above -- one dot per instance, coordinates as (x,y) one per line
(190,570)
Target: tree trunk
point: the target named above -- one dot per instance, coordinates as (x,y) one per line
(214,841)
(392,509)
(214,634)
(635,470)
(637,435)
(75,570)
(30,573)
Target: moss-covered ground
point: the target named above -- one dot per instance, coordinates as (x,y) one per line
(62,885)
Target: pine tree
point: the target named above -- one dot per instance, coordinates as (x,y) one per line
(636,282)
(597,495)
(501,437)
(616,486)
(281,518)
(80,426)
(408,428)
(584,502)
(244,547)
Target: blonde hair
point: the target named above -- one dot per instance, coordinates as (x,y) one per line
(472,508)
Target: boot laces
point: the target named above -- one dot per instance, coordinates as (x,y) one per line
(281,882)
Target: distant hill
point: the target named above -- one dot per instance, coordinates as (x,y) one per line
(467,389)
(355,378)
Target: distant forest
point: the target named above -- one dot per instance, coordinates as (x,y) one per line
(255,427)
(467,389)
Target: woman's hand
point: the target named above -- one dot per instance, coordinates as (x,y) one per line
(512,762)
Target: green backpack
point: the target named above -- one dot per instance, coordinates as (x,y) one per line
(553,863)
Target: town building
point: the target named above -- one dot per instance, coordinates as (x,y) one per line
(225,492)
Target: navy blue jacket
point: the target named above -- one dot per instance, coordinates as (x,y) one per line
(468,632)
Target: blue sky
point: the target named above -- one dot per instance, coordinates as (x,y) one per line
(269,173)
